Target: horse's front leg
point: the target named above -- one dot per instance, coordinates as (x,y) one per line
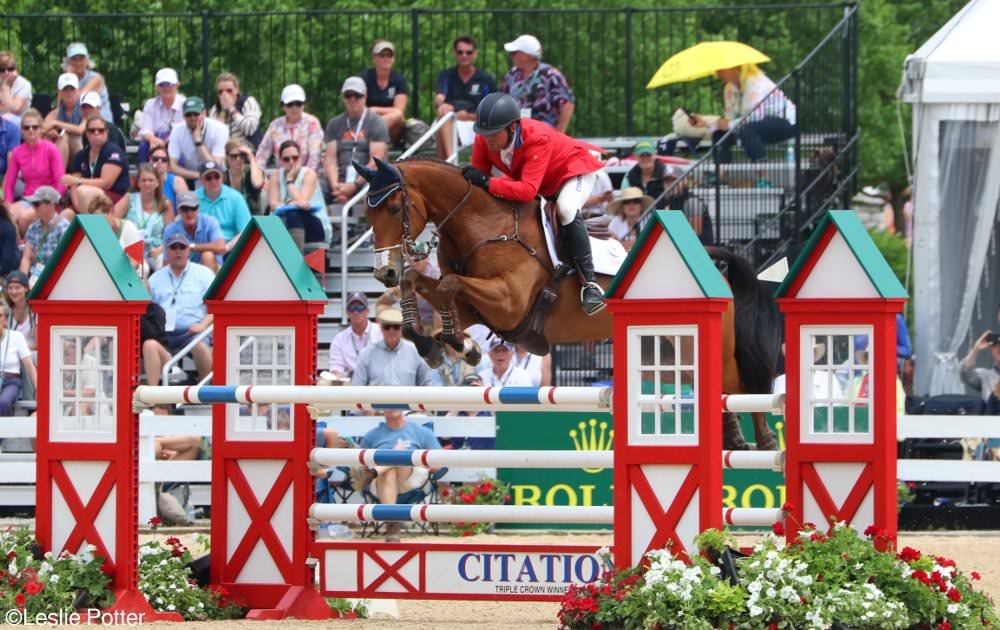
(490,295)
(429,349)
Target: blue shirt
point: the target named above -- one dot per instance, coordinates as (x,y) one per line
(408,436)
(206,231)
(10,137)
(183,294)
(230,208)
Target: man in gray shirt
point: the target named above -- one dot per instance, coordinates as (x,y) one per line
(983,380)
(358,135)
(393,360)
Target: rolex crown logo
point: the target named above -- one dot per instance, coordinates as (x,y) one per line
(592,437)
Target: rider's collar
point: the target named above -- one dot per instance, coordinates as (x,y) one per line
(517,137)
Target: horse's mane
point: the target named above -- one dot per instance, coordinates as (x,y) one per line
(430,160)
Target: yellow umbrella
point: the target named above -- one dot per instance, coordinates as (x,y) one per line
(702,60)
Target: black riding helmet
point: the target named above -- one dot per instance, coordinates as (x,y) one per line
(495,113)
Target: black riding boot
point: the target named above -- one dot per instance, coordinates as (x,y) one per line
(578,250)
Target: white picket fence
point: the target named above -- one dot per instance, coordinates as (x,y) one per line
(17,470)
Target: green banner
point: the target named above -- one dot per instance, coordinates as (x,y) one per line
(593,431)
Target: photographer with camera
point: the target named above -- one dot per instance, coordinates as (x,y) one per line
(985,380)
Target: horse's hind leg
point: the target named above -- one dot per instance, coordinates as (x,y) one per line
(764,437)
(732,433)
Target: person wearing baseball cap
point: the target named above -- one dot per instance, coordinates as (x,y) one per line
(393,360)
(202,231)
(357,134)
(358,335)
(90,105)
(388,92)
(161,113)
(178,288)
(222,202)
(298,125)
(64,124)
(200,139)
(44,234)
(78,62)
(503,372)
(540,89)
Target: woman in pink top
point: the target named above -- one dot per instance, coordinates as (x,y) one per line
(38,162)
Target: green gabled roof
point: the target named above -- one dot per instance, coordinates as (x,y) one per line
(692,252)
(275,234)
(114,259)
(847,223)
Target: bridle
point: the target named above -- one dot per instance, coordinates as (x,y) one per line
(411,249)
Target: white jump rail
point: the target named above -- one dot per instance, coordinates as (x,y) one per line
(462,458)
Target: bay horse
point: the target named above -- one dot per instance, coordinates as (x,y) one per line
(494,264)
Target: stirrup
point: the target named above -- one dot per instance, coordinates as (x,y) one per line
(591,309)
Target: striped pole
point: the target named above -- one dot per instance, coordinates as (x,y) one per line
(462,458)
(754,460)
(383,398)
(750,403)
(425,513)
(762,517)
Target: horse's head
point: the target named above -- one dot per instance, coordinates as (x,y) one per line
(393,219)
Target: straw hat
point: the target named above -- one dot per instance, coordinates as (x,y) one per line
(631,193)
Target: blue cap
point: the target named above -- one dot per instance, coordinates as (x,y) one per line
(76,48)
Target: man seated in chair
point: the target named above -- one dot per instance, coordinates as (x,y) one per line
(392,481)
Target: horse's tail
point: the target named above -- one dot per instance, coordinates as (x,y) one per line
(759,324)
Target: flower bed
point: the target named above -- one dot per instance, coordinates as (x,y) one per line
(483,492)
(816,580)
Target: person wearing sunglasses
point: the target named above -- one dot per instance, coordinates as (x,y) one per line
(63,125)
(243,174)
(90,105)
(293,193)
(388,92)
(161,113)
(37,163)
(217,200)
(355,135)
(101,168)
(202,231)
(197,141)
(393,360)
(171,184)
(15,90)
(239,112)
(298,125)
(78,62)
(148,208)
(459,89)
(358,335)
(43,235)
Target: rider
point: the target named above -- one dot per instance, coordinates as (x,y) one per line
(536,159)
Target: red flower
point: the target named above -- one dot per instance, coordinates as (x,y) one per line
(467,533)
(487,486)
(468,498)
(19,599)
(444,492)
(11,554)
(107,569)
(778,529)
(177,552)
(155,521)
(871,530)
(920,575)
(788,506)
(506,498)
(817,537)
(944,625)
(909,554)
(975,575)
(945,562)
(475,489)
(173,541)
(954,595)
(33,588)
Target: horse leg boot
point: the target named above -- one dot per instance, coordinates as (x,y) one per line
(429,349)
(578,247)
(732,433)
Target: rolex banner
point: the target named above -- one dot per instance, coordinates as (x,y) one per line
(593,431)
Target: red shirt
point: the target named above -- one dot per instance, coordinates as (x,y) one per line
(543,159)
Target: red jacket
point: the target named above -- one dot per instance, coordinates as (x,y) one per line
(543,159)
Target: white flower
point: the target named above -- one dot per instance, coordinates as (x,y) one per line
(770,592)
(952,609)
(755,611)
(171,607)
(54,578)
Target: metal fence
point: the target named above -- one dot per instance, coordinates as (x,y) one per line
(607,55)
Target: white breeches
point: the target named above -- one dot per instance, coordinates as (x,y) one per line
(573,195)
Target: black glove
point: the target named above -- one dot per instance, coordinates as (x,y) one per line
(476,177)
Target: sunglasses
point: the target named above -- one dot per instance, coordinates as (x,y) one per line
(294,104)
(78,57)
(166,85)
(188,208)
(97,130)
(9,69)
(177,246)
(208,177)
(226,91)
(464,52)
(287,159)
(356,308)
(190,114)
(353,95)
(391,326)
(386,53)
(235,156)
(159,159)
(31,127)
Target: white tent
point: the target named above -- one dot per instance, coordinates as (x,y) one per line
(953,82)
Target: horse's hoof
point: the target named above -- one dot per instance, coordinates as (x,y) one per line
(767,442)
(735,444)
(435,356)
(471,353)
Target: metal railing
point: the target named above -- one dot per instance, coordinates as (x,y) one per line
(346,249)
(606,54)
(186,350)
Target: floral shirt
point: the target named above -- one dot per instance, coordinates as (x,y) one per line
(751,102)
(307,133)
(44,240)
(544,91)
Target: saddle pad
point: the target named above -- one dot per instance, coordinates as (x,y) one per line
(609,254)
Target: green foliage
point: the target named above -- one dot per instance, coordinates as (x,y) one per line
(347,609)
(165,579)
(894,250)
